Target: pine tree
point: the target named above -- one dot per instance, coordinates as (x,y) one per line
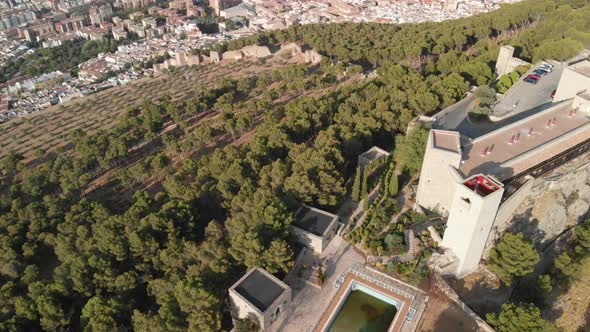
(385,181)
(519,317)
(566,265)
(583,234)
(513,257)
(364,189)
(356,186)
(393,185)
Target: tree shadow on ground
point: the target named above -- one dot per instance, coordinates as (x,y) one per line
(453,319)
(480,294)
(442,315)
(530,229)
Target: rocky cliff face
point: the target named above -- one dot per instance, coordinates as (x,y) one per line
(557,201)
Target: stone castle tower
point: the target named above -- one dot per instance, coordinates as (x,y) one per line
(504,58)
(471,216)
(506,61)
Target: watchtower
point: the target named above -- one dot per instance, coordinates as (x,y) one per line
(471,216)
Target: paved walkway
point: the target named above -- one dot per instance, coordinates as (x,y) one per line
(309,303)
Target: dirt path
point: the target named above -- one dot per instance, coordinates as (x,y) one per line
(481,291)
(443,315)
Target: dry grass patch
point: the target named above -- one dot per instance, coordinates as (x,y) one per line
(575,303)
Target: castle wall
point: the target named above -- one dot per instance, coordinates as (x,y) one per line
(470,219)
(215,57)
(504,57)
(436,186)
(243,309)
(312,56)
(233,55)
(312,241)
(292,48)
(255,51)
(506,62)
(555,202)
(505,213)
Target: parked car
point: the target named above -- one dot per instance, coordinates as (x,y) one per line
(547,64)
(535,76)
(540,71)
(531,80)
(546,68)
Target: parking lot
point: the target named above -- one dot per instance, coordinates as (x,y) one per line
(524,96)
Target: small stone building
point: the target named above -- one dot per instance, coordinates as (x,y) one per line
(374,153)
(314,228)
(259,294)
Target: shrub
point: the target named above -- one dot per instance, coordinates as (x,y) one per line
(395,243)
(486,95)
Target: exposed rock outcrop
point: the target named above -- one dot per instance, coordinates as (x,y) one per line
(557,201)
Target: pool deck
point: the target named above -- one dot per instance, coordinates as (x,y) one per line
(408,296)
(343,292)
(310,302)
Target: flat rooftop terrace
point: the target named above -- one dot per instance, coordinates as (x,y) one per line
(259,289)
(526,143)
(374,153)
(582,68)
(313,220)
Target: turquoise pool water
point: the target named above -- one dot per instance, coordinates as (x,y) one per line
(364,310)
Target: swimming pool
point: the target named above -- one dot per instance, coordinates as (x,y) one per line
(364,309)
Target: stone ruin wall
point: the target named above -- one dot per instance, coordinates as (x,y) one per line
(250,51)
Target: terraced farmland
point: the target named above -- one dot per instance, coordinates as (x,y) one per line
(47,129)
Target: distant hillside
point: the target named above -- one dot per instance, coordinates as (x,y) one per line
(48,129)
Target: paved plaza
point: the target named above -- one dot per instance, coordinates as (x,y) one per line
(519,102)
(523,96)
(309,302)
